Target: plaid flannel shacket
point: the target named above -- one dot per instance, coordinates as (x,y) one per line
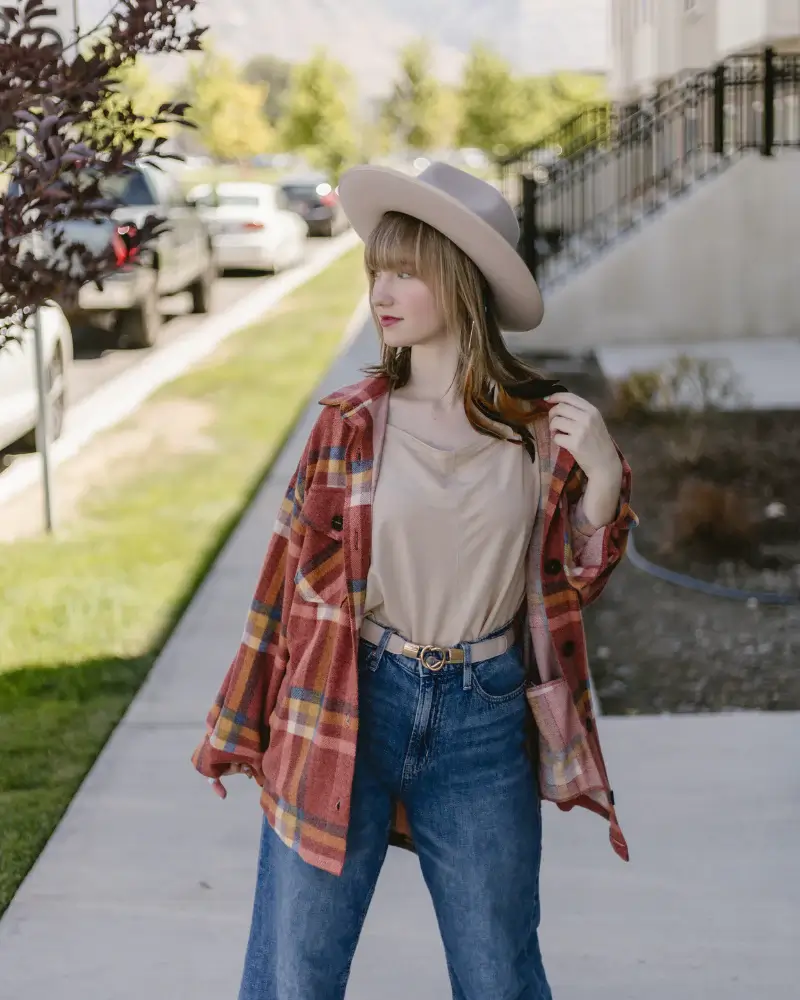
(288,704)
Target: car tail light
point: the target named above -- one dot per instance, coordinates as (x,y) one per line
(253,225)
(328,200)
(125,242)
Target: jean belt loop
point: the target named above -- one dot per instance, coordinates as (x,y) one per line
(380,649)
(467,647)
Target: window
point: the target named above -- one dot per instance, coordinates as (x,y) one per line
(130,187)
(239,200)
(268,198)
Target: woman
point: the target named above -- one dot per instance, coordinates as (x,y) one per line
(413,669)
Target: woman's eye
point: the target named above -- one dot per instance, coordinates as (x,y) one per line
(403,274)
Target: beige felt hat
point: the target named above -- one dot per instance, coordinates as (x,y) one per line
(470,212)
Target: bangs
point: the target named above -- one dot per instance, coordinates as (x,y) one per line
(398,243)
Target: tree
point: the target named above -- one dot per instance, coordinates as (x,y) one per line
(227,110)
(274,75)
(50,93)
(133,89)
(375,140)
(448,117)
(573,90)
(547,101)
(412,109)
(317,119)
(490,102)
(146,93)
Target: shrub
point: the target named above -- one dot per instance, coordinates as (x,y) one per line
(682,386)
(712,518)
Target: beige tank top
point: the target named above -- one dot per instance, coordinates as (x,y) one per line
(450,534)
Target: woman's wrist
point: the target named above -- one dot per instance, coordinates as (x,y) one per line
(601,495)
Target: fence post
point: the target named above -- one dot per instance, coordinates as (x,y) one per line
(719,109)
(769,102)
(530,194)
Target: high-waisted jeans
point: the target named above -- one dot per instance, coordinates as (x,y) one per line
(451,746)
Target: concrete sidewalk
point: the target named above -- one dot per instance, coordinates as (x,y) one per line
(144,892)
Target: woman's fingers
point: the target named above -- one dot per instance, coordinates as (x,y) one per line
(218,787)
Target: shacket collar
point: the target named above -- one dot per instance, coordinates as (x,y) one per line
(352,398)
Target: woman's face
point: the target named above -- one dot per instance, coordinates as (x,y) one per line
(406,309)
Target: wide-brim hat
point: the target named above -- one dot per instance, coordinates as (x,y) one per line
(469,211)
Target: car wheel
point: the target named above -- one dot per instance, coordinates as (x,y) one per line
(201,289)
(56,386)
(140,326)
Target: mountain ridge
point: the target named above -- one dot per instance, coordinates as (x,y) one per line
(535,36)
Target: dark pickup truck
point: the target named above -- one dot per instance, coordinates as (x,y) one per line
(179,258)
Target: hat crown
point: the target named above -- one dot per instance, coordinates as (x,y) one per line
(470,212)
(475,195)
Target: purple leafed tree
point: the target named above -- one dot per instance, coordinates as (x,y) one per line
(65,128)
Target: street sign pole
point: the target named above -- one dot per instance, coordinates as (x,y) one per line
(43,400)
(43,424)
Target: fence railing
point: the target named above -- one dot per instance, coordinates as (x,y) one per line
(572,206)
(589,128)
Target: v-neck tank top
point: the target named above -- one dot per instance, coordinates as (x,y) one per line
(450,536)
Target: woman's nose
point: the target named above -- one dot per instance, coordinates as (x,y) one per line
(381,294)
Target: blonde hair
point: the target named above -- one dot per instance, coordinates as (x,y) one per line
(491,379)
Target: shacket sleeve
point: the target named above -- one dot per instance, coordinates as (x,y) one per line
(591,551)
(236,725)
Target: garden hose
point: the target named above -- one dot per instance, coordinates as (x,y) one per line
(692,583)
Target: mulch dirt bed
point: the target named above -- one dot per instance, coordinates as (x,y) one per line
(703,489)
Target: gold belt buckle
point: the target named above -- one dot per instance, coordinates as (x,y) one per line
(436,650)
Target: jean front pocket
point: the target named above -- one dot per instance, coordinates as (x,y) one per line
(499,679)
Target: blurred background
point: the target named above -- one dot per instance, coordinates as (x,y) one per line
(651,152)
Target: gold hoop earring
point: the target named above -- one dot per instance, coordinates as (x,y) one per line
(471,335)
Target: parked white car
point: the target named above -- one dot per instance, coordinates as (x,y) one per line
(250,225)
(18,395)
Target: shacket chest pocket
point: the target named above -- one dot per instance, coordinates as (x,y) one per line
(321,576)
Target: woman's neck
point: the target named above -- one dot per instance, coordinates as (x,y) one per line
(433,368)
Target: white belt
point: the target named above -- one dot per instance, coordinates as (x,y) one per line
(435,657)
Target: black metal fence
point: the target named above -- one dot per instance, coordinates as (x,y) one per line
(573,204)
(590,128)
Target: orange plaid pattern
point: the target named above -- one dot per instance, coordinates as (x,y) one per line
(288,704)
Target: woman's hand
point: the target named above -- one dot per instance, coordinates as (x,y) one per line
(578,427)
(217,785)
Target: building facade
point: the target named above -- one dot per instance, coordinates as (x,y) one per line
(657,42)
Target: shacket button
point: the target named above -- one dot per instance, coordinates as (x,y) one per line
(336,522)
(568,648)
(552,566)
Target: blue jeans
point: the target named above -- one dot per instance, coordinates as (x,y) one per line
(451,745)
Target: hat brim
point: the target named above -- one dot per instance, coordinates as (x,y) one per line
(367,192)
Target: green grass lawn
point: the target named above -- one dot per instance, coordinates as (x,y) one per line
(84,615)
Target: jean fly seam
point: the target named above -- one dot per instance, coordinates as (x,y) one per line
(422,715)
